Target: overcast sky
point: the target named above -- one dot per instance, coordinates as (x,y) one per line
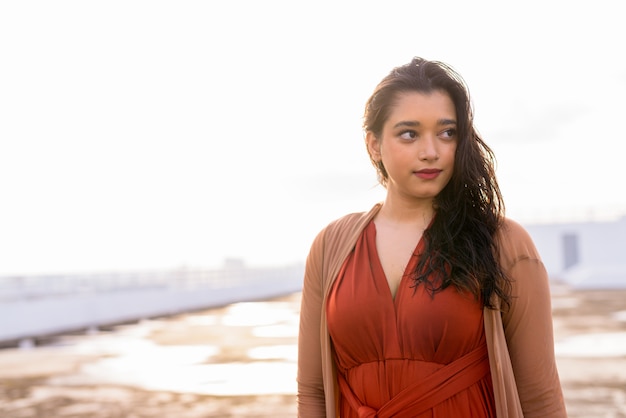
(161,134)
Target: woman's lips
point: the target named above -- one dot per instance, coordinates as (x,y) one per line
(428,173)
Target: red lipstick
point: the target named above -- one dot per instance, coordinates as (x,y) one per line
(428,173)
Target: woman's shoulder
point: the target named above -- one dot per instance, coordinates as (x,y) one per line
(512,228)
(350,220)
(515,243)
(346,225)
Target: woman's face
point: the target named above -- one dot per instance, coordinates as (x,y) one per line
(417,144)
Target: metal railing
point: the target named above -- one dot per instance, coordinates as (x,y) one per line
(45,286)
(34,306)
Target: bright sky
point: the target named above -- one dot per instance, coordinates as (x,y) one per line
(160,134)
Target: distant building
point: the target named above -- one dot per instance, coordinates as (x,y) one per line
(584,255)
(234,263)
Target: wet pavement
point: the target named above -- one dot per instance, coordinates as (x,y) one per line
(240,361)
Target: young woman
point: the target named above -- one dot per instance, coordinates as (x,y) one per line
(432,303)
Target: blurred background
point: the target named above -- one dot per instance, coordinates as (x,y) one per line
(164,167)
(143,134)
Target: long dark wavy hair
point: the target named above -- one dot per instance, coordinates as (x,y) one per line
(460,247)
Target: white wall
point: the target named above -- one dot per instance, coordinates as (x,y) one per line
(601,252)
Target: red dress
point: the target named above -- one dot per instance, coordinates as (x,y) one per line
(408,356)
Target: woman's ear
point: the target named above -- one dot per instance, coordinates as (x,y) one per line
(373,146)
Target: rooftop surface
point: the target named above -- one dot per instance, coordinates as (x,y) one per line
(240,361)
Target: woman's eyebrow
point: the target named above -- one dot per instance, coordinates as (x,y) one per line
(446,122)
(409,123)
(414,123)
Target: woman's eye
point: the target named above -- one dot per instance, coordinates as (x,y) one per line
(449,133)
(409,135)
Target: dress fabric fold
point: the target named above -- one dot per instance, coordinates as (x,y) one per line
(412,355)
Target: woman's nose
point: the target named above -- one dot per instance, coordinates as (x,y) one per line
(428,148)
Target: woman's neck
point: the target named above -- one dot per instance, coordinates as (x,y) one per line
(417,213)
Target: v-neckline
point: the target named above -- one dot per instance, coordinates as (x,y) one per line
(380,274)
